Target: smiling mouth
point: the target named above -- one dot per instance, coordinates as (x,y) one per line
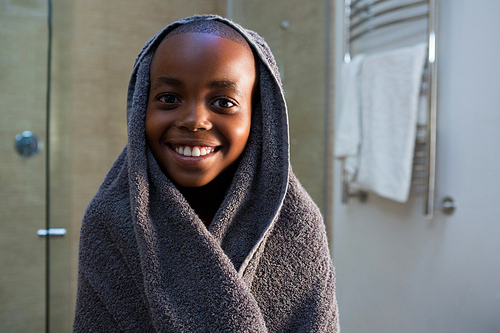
(193,151)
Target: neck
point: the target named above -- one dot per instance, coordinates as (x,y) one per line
(206,200)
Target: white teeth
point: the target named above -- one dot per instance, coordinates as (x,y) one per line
(193,151)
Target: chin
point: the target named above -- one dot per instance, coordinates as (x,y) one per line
(190,182)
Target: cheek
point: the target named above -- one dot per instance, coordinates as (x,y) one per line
(154,124)
(239,132)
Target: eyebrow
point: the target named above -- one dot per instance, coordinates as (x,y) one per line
(166,80)
(225,84)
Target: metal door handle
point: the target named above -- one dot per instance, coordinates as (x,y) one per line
(51,232)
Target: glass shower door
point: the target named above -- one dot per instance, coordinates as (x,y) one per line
(23,75)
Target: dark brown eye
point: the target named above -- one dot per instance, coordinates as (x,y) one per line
(223,103)
(169,99)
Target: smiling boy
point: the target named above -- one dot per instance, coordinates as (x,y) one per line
(200,225)
(199,111)
(200,104)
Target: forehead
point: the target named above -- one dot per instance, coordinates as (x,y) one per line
(199,53)
(211,27)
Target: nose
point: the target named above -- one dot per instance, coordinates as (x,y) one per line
(195,117)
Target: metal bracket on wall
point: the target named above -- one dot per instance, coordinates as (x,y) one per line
(346,192)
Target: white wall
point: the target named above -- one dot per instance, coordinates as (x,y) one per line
(397,271)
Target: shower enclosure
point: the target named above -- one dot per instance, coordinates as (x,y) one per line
(23,85)
(55,152)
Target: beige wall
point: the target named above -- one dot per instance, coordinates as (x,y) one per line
(300,52)
(94,46)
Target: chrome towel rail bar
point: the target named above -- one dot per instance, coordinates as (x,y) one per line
(358,14)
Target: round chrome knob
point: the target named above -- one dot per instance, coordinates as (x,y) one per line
(27,144)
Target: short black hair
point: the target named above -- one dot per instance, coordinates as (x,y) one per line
(211,27)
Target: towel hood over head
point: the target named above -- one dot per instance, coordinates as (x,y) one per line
(149,264)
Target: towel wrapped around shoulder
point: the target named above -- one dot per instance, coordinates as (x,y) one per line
(149,264)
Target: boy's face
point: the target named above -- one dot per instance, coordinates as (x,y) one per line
(200,104)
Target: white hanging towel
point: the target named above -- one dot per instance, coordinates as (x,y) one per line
(390,89)
(348,132)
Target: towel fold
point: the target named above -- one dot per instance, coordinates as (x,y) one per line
(348,133)
(390,90)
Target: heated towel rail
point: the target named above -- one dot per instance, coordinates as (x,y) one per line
(362,17)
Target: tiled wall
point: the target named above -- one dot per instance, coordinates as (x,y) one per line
(296,32)
(94,47)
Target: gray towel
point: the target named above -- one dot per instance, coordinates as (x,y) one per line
(148,263)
